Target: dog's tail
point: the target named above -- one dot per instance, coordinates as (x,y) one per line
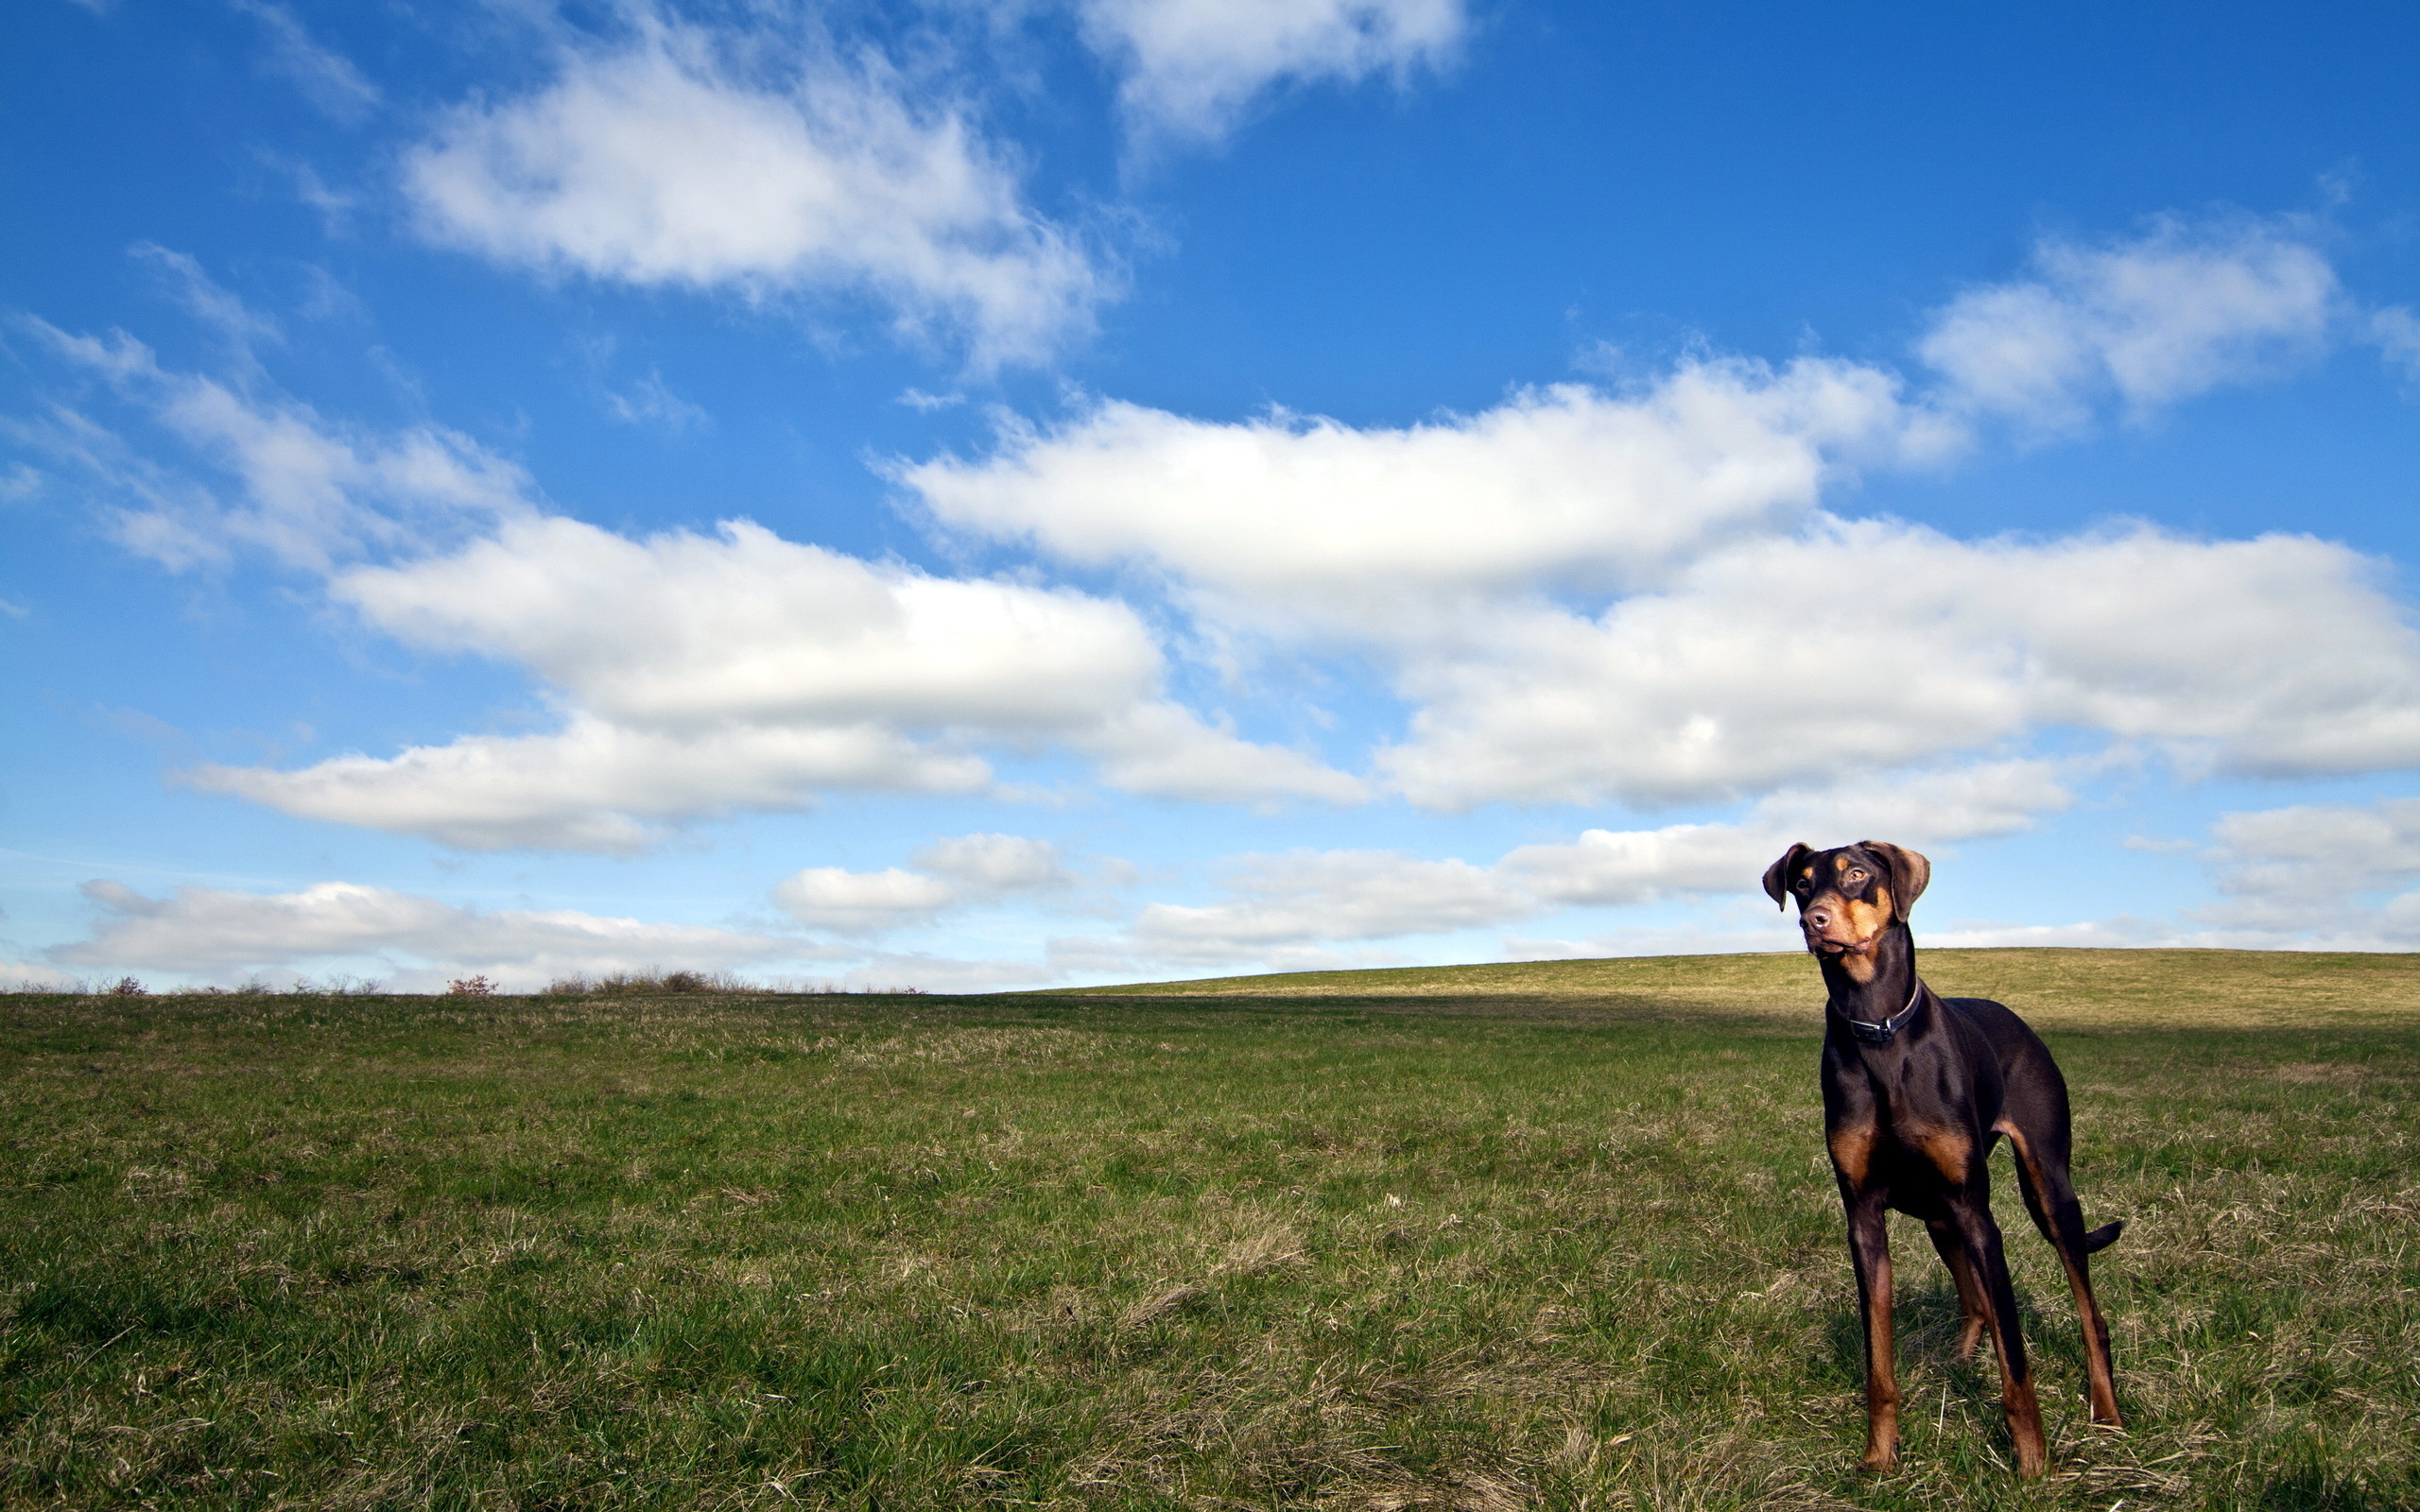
(2103,1237)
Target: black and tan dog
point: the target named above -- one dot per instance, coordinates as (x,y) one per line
(1917,1088)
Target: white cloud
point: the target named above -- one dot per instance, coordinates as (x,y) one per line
(1873,646)
(856,903)
(2310,874)
(1190,67)
(2314,876)
(648,401)
(2396,332)
(310,492)
(1752,640)
(655,164)
(595,785)
(704,673)
(972,868)
(1279,901)
(204,297)
(683,630)
(1164,749)
(1310,519)
(204,930)
(1926,808)
(29,976)
(997,865)
(2183,309)
(2321,852)
(326,78)
(1278,906)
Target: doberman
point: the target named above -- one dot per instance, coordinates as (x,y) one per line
(1917,1088)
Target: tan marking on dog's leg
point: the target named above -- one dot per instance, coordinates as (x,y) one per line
(1881,1375)
(1852,1152)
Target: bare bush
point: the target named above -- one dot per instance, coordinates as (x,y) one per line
(652,982)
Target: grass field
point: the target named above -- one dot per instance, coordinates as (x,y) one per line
(1554,1236)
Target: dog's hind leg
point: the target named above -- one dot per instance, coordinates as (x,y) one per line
(1973,1316)
(2050,1198)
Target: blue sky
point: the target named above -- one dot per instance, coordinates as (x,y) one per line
(974,495)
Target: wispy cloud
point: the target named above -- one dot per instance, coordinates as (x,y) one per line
(1190,69)
(308,492)
(325,78)
(649,402)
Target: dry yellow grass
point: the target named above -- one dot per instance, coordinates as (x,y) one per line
(2052,987)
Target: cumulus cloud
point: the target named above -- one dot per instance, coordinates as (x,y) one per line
(1191,67)
(679,628)
(205,930)
(306,490)
(1640,597)
(595,786)
(1871,644)
(1309,518)
(2188,307)
(973,868)
(702,674)
(988,866)
(656,164)
(857,903)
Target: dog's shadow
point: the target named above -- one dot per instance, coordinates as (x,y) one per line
(1926,1321)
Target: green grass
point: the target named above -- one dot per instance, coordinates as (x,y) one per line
(1376,1245)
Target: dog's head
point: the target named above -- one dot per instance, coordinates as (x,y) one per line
(1850,896)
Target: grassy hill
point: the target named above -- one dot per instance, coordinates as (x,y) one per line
(1555,1236)
(2070,989)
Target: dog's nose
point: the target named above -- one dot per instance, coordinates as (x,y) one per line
(1818,917)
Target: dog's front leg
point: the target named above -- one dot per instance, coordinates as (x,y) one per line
(1869,1253)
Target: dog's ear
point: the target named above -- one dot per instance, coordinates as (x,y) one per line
(1777,875)
(1909,872)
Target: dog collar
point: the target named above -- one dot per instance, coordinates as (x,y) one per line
(1870,1033)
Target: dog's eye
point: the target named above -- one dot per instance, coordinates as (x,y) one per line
(1855,875)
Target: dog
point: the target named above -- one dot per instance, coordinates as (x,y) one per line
(1917,1090)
